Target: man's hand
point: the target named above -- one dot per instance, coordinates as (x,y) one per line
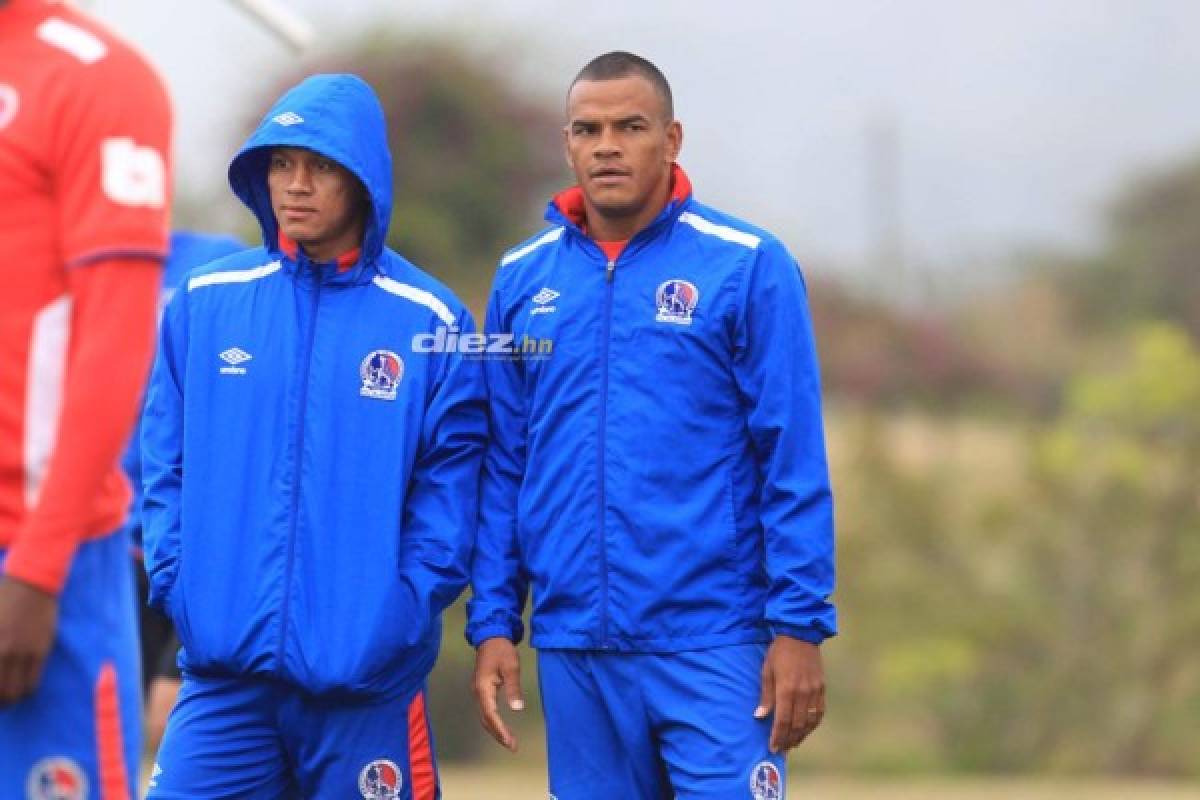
(498,665)
(28,620)
(793,683)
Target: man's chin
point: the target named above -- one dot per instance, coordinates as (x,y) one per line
(300,234)
(615,206)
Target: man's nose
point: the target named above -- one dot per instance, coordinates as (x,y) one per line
(607,146)
(301,181)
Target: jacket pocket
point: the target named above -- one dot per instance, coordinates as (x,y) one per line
(177,610)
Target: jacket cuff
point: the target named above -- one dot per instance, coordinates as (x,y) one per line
(804,633)
(494,630)
(41,561)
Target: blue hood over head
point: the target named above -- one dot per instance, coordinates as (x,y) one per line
(338,116)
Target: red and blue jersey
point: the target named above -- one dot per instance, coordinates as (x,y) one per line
(84,180)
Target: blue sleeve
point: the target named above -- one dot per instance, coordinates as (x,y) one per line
(443,493)
(162,453)
(775,365)
(498,584)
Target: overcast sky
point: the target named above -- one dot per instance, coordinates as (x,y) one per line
(1014,122)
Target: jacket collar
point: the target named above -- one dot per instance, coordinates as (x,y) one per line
(347,268)
(567,207)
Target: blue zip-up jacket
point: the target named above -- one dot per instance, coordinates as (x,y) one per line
(311,482)
(188,250)
(660,476)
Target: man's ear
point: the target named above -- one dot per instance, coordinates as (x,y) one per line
(674,140)
(566,138)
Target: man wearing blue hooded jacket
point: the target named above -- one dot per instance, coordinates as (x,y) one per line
(660,479)
(310,477)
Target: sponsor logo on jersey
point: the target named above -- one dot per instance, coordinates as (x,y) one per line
(676,300)
(381,372)
(543,300)
(56,778)
(10,101)
(132,174)
(234,357)
(765,782)
(381,779)
(287,119)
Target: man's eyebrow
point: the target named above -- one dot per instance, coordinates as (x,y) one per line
(580,121)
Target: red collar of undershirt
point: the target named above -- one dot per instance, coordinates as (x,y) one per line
(344,262)
(570,201)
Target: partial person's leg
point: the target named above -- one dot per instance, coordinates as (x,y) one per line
(79,734)
(378,750)
(223,743)
(598,742)
(702,704)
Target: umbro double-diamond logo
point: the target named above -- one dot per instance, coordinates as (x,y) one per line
(234,357)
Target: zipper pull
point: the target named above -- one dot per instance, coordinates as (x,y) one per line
(609,270)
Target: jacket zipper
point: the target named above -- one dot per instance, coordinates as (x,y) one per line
(303,403)
(609,272)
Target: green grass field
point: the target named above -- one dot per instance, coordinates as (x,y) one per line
(488,782)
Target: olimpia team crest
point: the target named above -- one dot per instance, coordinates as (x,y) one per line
(765,782)
(380,780)
(56,778)
(675,300)
(381,372)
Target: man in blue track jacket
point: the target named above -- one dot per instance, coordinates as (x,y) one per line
(311,478)
(659,477)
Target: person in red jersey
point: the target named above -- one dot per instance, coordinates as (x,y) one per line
(84,166)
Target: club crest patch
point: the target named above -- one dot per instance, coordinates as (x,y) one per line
(381,372)
(380,780)
(765,782)
(676,300)
(56,778)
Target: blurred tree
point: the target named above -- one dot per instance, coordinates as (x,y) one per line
(1028,615)
(1151,267)
(876,354)
(1115,551)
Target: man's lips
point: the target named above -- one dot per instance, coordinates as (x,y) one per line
(603,176)
(297,211)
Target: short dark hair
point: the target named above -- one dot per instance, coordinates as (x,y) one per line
(621,64)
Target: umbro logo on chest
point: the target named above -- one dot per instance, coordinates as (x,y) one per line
(234,358)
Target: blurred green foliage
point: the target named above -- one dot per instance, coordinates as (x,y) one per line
(1045,618)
